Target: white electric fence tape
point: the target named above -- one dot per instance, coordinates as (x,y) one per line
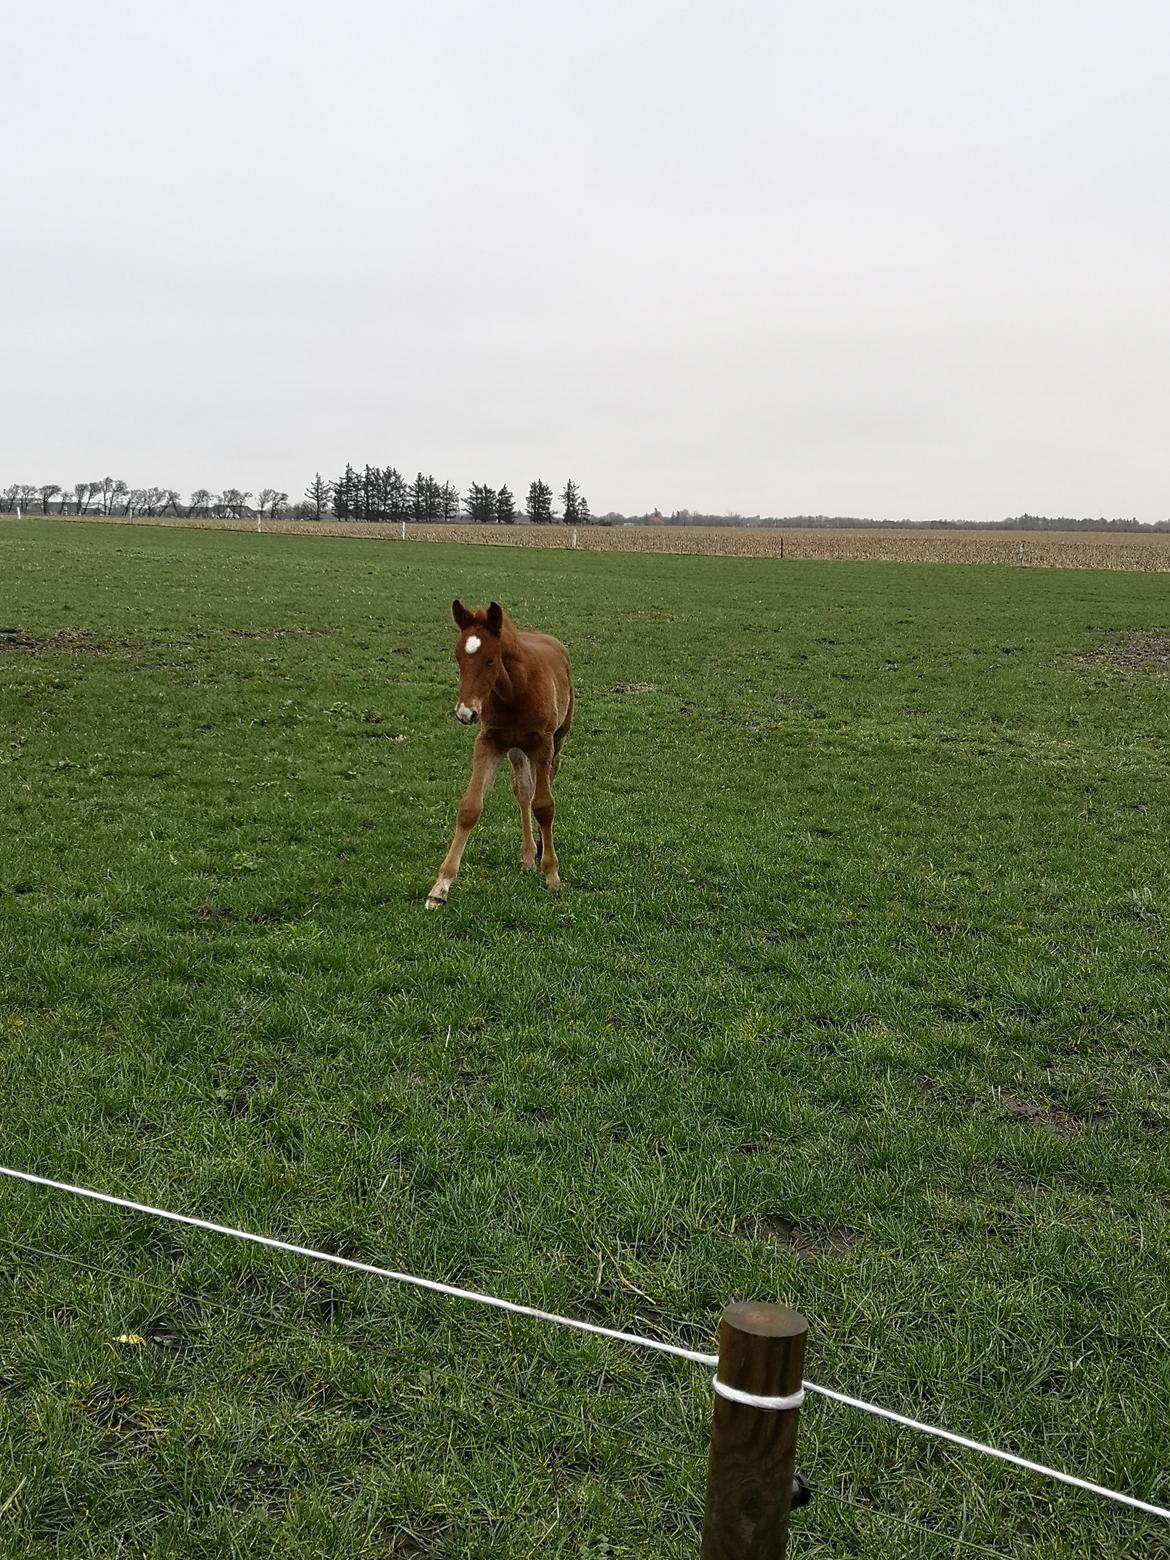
(656,1344)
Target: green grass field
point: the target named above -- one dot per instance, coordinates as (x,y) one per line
(856,998)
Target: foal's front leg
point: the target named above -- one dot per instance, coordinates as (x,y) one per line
(544,763)
(485,760)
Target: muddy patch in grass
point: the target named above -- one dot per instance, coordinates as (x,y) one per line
(634,688)
(1043,1114)
(1131,651)
(802,1240)
(248,1091)
(411,1536)
(66,641)
(266,1487)
(276,633)
(128,1429)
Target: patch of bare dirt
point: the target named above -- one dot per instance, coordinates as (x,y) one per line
(634,688)
(802,1240)
(65,641)
(406,1536)
(1039,1113)
(127,1429)
(276,633)
(1137,652)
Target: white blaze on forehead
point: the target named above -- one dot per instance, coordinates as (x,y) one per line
(471,643)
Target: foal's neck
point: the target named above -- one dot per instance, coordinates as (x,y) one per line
(505,688)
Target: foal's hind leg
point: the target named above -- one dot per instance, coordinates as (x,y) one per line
(558,740)
(523,788)
(485,761)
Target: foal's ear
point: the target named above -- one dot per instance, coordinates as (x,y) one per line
(460,614)
(495,618)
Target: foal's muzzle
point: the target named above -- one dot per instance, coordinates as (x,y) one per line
(465,715)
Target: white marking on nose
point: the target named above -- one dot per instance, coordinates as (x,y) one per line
(471,643)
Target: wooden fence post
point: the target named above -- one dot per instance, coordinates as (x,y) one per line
(753,1449)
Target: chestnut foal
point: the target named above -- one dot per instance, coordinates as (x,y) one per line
(518,687)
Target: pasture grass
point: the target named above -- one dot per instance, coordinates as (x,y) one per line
(856,998)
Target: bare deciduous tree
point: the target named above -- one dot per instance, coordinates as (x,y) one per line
(232,503)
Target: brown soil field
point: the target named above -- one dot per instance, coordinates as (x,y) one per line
(1041,549)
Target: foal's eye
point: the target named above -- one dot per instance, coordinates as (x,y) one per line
(491,660)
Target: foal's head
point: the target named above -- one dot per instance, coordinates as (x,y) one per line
(478,657)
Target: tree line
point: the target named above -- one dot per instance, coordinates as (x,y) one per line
(370,493)
(382,494)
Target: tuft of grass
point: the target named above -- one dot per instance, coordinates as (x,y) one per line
(850,1001)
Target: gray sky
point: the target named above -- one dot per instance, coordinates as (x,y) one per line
(898,258)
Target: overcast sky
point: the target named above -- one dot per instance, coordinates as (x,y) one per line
(845,257)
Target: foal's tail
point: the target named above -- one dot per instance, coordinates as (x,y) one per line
(539,844)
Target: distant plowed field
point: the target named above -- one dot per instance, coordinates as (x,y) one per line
(1046,549)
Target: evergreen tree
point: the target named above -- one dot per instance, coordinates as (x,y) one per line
(374,495)
(396,495)
(481,503)
(505,507)
(417,496)
(571,499)
(425,498)
(318,494)
(584,515)
(345,495)
(449,501)
(540,503)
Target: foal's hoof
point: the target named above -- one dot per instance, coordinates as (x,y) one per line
(435,901)
(527,863)
(552,882)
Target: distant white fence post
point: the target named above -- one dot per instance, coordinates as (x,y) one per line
(574,538)
(404,530)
